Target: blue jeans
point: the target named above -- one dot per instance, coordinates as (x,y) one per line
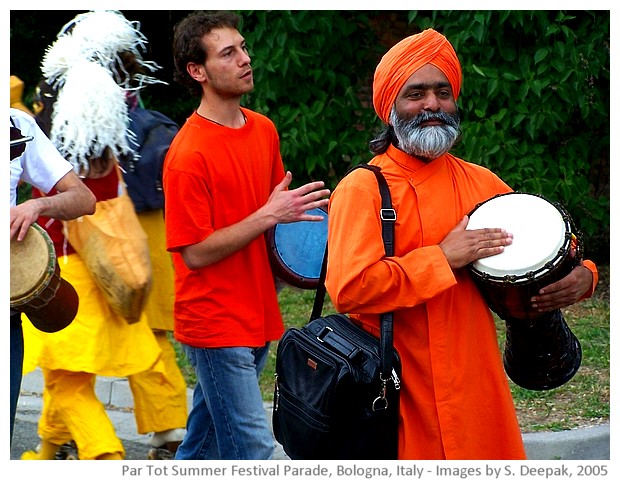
(17,363)
(227,420)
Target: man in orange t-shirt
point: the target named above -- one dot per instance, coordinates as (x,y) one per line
(455,397)
(225,186)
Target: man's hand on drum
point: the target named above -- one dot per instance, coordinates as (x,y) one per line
(461,246)
(564,292)
(288,206)
(22,216)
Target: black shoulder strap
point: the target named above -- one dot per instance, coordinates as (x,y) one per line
(388,218)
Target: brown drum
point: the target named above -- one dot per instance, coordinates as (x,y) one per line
(37,289)
(541,352)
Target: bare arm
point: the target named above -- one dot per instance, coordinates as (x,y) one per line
(73,200)
(283,206)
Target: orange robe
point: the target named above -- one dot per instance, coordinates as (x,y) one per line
(455,398)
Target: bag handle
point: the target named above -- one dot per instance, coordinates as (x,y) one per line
(388,219)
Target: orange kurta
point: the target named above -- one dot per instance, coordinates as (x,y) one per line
(455,398)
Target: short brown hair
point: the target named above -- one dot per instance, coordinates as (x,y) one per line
(187,46)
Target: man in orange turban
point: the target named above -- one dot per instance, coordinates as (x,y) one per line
(455,397)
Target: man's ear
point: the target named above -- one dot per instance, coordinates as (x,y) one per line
(197,72)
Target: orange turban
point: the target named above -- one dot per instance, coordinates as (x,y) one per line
(404,59)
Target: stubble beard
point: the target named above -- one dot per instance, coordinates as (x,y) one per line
(226,90)
(427,143)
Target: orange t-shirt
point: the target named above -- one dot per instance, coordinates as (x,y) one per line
(215,176)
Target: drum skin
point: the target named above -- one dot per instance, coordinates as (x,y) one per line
(33,267)
(296,251)
(37,290)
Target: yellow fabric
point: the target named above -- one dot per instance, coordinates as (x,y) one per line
(17,93)
(98,341)
(404,59)
(160,397)
(160,302)
(71,410)
(45,451)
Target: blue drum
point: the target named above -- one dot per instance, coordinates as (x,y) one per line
(296,251)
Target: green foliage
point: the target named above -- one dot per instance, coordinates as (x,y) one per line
(310,69)
(535,96)
(536,103)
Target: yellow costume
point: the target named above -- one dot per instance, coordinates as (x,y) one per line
(17,94)
(97,342)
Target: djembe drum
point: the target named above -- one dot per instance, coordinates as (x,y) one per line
(296,250)
(37,290)
(541,352)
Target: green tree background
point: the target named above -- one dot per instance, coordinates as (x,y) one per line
(535,95)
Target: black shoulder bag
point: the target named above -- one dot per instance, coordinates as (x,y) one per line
(337,387)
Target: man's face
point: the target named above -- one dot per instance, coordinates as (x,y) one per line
(424,116)
(427,89)
(227,69)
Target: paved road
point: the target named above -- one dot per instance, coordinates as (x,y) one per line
(114,393)
(582,444)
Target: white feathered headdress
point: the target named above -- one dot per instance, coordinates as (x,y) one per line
(85,67)
(99,36)
(90,114)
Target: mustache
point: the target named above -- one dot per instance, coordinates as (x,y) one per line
(446,118)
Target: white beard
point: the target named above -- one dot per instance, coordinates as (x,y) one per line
(425,142)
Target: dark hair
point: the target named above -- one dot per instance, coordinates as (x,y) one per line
(383,140)
(187,46)
(45,98)
(128,68)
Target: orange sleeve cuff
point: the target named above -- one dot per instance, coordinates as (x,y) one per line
(589,264)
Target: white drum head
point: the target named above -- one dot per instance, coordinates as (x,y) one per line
(538,228)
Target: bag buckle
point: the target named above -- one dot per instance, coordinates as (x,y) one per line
(388,214)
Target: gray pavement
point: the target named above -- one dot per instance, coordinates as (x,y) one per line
(114,393)
(591,443)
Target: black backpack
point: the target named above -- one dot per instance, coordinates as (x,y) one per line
(143,172)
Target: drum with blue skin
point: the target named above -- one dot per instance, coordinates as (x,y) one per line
(296,251)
